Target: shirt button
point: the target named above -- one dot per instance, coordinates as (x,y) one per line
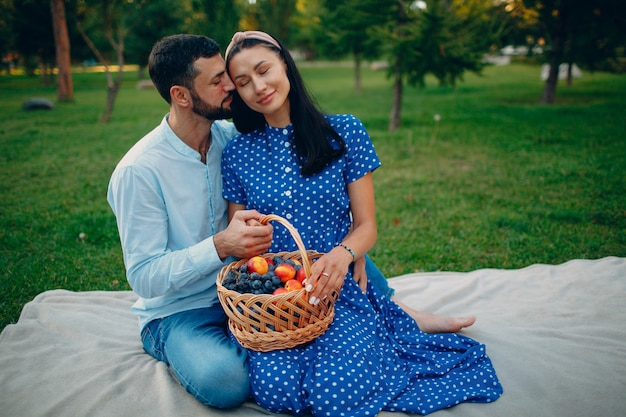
(288,193)
(285,131)
(286,144)
(288,216)
(287,169)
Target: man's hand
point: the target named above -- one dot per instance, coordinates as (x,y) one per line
(244,237)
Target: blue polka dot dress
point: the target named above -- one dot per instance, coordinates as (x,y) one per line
(373,357)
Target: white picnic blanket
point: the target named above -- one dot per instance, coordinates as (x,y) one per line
(556,335)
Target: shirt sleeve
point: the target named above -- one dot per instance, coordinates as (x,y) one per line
(152,269)
(232,187)
(361,154)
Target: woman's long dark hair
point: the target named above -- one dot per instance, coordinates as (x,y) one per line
(313,136)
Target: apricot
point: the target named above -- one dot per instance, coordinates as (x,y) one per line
(293,285)
(301,275)
(285,272)
(257,264)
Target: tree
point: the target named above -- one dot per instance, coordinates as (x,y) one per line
(115,19)
(222,20)
(158,19)
(115,30)
(271,16)
(32,28)
(577,30)
(6,33)
(345,24)
(65,88)
(445,38)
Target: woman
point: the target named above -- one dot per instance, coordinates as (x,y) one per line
(316,171)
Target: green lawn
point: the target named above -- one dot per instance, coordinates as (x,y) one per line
(500,182)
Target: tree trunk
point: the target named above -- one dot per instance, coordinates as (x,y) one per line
(113,86)
(65,87)
(111,96)
(549,90)
(555,58)
(358,58)
(569,74)
(396,103)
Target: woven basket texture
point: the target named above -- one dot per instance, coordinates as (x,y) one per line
(266,322)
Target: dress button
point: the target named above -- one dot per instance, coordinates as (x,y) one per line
(285,131)
(287,169)
(288,216)
(288,193)
(286,144)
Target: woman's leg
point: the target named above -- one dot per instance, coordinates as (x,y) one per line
(427,322)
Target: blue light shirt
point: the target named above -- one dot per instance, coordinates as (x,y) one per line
(168,206)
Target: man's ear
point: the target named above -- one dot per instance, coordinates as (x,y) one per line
(180,95)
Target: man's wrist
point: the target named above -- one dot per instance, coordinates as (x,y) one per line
(220,246)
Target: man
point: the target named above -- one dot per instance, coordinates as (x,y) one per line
(166,194)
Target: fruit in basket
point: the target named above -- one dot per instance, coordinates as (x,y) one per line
(257,264)
(301,275)
(279,290)
(293,285)
(285,272)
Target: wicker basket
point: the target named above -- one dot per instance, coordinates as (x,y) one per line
(265,322)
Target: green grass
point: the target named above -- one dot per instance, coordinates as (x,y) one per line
(502,182)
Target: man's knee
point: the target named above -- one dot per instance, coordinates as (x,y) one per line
(223,383)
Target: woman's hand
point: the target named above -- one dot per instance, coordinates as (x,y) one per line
(328,274)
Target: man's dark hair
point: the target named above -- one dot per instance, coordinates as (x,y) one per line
(172,61)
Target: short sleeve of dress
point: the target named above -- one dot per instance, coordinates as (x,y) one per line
(232,187)
(361,155)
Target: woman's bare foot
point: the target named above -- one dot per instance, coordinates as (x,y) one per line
(434,323)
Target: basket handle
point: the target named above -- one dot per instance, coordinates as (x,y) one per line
(306,262)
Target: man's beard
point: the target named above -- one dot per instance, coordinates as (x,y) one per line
(202,108)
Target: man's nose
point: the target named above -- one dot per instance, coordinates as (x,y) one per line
(228,84)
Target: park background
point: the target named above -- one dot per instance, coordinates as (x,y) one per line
(486,163)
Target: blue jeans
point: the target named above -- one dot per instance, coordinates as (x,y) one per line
(377,278)
(196,347)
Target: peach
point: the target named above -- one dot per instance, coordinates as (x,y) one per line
(285,272)
(279,290)
(257,264)
(293,285)
(301,275)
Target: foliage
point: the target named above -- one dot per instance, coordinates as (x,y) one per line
(443,38)
(34,42)
(502,183)
(222,20)
(272,16)
(345,24)
(589,33)
(6,26)
(157,19)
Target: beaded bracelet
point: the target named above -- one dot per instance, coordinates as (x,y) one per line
(348,249)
